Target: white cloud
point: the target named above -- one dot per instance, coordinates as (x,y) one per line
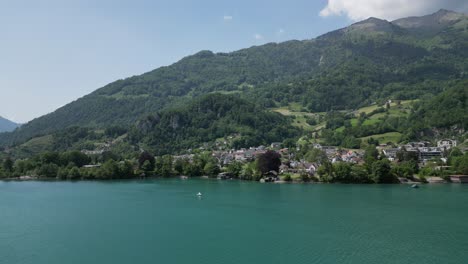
(227,18)
(280,31)
(388,9)
(258,37)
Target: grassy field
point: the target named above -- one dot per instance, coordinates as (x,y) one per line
(300,118)
(393,137)
(395,110)
(34,146)
(403,105)
(371,121)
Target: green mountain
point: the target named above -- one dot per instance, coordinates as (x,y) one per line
(369,61)
(7,125)
(208,118)
(447,111)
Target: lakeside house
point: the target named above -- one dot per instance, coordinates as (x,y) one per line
(435,180)
(429,153)
(423,150)
(459,178)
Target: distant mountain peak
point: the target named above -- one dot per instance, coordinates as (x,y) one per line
(7,125)
(445,12)
(371,25)
(373,20)
(433,22)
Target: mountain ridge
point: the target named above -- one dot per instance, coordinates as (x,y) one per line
(437,20)
(7,125)
(342,69)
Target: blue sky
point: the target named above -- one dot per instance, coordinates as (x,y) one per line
(53,52)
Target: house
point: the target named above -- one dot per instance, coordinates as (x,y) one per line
(92,166)
(435,180)
(459,178)
(310,168)
(317,146)
(330,151)
(350,156)
(413,146)
(337,158)
(391,153)
(427,153)
(92,152)
(446,143)
(276,145)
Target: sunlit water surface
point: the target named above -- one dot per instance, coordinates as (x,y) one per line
(163,221)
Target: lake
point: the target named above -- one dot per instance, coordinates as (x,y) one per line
(163,221)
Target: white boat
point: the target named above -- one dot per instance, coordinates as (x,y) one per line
(199,194)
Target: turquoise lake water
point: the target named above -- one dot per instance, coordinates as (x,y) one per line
(162,221)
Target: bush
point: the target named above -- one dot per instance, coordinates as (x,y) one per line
(287,178)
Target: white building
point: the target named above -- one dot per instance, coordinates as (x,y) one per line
(446,143)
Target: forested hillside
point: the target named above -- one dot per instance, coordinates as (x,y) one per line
(370,61)
(211,117)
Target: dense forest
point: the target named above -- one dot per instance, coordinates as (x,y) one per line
(211,117)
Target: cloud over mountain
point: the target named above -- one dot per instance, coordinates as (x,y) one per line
(388,9)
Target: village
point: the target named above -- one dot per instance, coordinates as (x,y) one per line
(434,155)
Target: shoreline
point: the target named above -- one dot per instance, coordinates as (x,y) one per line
(185,178)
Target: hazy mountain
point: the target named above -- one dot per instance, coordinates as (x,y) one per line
(7,125)
(368,61)
(432,23)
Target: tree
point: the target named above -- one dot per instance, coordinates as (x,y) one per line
(405,169)
(381,172)
(8,164)
(48,170)
(146,156)
(268,161)
(211,169)
(234,168)
(360,174)
(316,155)
(50,157)
(75,157)
(164,166)
(193,169)
(147,166)
(325,171)
(370,156)
(342,172)
(126,169)
(74,174)
(109,170)
(461,164)
(250,171)
(289,143)
(454,153)
(179,166)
